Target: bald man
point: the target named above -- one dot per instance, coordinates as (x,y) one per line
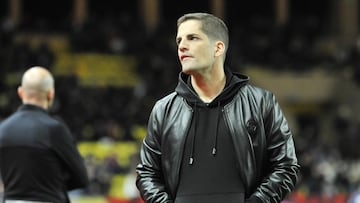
(39,160)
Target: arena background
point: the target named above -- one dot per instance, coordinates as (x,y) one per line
(113,59)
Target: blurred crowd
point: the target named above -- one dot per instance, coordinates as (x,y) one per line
(330,165)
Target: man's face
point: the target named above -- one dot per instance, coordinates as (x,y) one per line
(195,50)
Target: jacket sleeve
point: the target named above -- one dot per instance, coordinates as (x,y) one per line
(150,178)
(281,163)
(65,147)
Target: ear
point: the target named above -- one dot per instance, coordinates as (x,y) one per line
(50,94)
(20,92)
(219,48)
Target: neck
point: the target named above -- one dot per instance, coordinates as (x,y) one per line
(209,85)
(43,104)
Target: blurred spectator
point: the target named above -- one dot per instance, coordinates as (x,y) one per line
(130,190)
(44,55)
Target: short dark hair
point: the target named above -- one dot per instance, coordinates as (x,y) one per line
(212,26)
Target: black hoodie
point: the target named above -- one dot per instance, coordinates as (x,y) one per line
(209,170)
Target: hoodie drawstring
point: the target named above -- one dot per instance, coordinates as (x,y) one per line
(191,160)
(217,130)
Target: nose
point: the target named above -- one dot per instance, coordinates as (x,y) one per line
(182,49)
(182,46)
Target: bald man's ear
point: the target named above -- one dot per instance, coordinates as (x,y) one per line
(20,92)
(50,95)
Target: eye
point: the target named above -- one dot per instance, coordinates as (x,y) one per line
(178,40)
(192,37)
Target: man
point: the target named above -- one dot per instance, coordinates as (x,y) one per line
(39,161)
(216,138)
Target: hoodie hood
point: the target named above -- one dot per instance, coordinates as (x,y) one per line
(234,81)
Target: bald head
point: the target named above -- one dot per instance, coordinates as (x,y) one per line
(37,87)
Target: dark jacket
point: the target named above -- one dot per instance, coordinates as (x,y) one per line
(263,144)
(39,160)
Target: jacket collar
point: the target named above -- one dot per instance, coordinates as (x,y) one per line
(31,107)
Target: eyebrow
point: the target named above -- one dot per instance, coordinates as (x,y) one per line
(189,35)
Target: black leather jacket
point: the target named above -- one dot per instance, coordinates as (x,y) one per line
(263,144)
